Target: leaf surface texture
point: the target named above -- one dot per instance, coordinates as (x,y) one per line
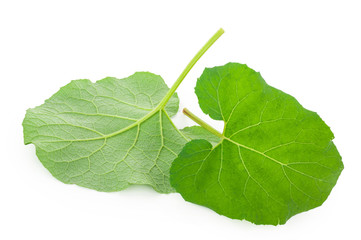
(276,158)
(109,134)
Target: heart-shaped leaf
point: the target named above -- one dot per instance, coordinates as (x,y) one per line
(275,158)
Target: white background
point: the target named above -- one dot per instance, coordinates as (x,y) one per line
(309,49)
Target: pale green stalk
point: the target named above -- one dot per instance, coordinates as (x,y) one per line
(202,123)
(189,67)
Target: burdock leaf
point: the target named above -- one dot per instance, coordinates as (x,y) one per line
(109,134)
(275,158)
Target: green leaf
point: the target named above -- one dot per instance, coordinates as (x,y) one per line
(275,159)
(197,132)
(113,133)
(109,134)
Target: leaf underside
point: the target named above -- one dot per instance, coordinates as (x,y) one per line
(109,134)
(276,159)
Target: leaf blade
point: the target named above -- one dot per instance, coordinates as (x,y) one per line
(107,135)
(276,159)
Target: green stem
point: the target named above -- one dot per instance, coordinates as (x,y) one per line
(189,67)
(202,123)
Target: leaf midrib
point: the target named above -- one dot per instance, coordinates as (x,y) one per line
(253,150)
(160,107)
